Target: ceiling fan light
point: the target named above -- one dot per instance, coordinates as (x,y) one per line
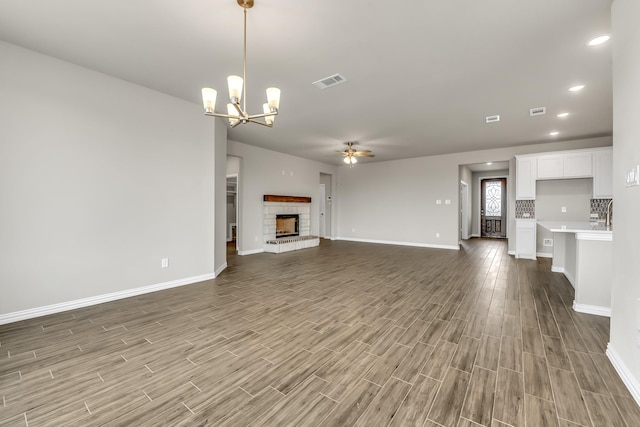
(273,97)
(268,119)
(346,160)
(235,88)
(209,99)
(353,160)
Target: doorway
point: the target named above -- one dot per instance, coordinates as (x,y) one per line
(493,208)
(232,210)
(324,206)
(465,217)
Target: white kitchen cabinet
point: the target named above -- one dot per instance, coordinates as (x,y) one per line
(550,167)
(526,238)
(577,165)
(565,165)
(603,174)
(525,178)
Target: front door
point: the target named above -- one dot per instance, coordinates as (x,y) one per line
(493,211)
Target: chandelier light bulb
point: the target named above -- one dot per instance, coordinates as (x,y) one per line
(235,88)
(273,97)
(209,99)
(231,110)
(268,119)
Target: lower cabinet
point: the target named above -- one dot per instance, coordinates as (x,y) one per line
(526,238)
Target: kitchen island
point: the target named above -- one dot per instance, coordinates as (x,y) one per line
(583,252)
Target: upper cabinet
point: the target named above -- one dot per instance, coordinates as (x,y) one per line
(596,163)
(525,178)
(603,174)
(550,167)
(565,165)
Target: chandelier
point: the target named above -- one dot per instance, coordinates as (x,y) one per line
(236,113)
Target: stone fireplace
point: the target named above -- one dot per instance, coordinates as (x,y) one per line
(287,223)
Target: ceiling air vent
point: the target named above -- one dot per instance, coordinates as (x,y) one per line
(336,79)
(539,111)
(492,119)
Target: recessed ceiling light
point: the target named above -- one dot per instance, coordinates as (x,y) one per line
(576,88)
(563,115)
(554,133)
(489,163)
(598,40)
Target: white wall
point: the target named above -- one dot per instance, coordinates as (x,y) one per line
(395,201)
(552,195)
(466,176)
(220,193)
(99,180)
(625,306)
(269,172)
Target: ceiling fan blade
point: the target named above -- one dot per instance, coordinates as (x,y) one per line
(362,154)
(364,151)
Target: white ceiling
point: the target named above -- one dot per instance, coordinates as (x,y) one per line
(422,75)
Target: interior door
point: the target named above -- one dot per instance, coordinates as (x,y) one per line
(493,209)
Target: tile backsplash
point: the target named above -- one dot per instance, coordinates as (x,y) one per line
(599,206)
(524,207)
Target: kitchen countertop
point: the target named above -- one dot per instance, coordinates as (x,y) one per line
(576,227)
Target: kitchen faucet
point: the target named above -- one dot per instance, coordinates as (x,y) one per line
(608,223)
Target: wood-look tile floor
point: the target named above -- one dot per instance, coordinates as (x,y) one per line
(343,334)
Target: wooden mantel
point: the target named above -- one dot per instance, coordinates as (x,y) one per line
(286,199)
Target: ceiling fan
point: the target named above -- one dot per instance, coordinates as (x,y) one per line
(351,153)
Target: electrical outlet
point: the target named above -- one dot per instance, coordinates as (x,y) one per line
(547,242)
(594,216)
(437,235)
(563,209)
(164,263)
(526,215)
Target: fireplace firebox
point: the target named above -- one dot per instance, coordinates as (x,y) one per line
(287,225)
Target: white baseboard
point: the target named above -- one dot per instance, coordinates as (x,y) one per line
(220,269)
(98,299)
(475,235)
(511,253)
(544,255)
(592,309)
(570,279)
(625,374)
(557,269)
(251,252)
(389,242)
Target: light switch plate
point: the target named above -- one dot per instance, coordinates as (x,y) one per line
(447,202)
(438,202)
(633,176)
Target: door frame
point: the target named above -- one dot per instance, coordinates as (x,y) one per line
(505,197)
(322,211)
(237,207)
(465,216)
(478,214)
